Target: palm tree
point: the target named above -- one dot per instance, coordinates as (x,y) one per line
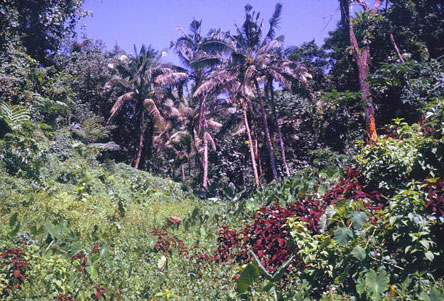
(285,72)
(200,54)
(261,61)
(252,56)
(226,79)
(142,78)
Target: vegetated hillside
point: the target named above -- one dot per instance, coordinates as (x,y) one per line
(328,188)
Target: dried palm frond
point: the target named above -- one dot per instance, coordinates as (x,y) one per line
(118,104)
(240,131)
(152,109)
(171,78)
(211,140)
(214,124)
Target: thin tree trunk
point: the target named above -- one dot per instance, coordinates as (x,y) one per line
(362,60)
(250,144)
(205,158)
(183,173)
(267,133)
(256,155)
(254,136)
(392,39)
(281,140)
(142,133)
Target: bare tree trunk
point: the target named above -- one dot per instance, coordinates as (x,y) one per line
(256,155)
(281,140)
(142,133)
(267,133)
(250,145)
(183,173)
(362,58)
(205,158)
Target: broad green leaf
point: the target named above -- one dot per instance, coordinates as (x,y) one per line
(343,235)
(93,272)
(358,219)
(392,220)
(263,270)
(377,284)
(278,275)
(75,247)
(359,253)
(16,229)
(425,243)
(249,275)
(435,295)
(360,286)
(429,255)
(13,219)
(322,189)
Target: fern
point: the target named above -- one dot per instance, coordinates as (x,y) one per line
(13,115)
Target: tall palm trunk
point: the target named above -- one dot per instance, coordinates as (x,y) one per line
(250,144)
(281,140)
(205,157)
(142,133)
(182,167)
(267,132)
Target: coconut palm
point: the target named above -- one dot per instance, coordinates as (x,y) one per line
(251,56)
(260,61)
(227,79)
(144,80)
(201,54)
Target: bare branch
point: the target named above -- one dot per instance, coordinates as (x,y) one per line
(392,39)
(375,7)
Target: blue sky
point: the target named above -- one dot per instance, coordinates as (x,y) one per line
(155,22)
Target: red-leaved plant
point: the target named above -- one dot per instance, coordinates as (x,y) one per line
(268,236)
(14,260)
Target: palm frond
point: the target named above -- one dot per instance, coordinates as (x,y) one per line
(214,124)
(172,78)
(205,62)
(274,21)
(211,140)
(195,26)
(118,104)
(154,112)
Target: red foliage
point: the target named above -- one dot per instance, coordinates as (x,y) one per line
(64,298)
(14,259)
(269,237)
(83,259)
(228,241)
(435,196)
(202,256)
(351,189)
(99,292)
(166,242)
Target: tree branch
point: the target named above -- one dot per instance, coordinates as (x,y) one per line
(392,39)
(375,7)
(363,4)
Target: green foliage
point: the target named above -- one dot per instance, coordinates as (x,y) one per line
(76,225)
(409,152)
(39,26)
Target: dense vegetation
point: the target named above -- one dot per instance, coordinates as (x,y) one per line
(253,171)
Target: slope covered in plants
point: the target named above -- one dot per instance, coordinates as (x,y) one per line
(252,171)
